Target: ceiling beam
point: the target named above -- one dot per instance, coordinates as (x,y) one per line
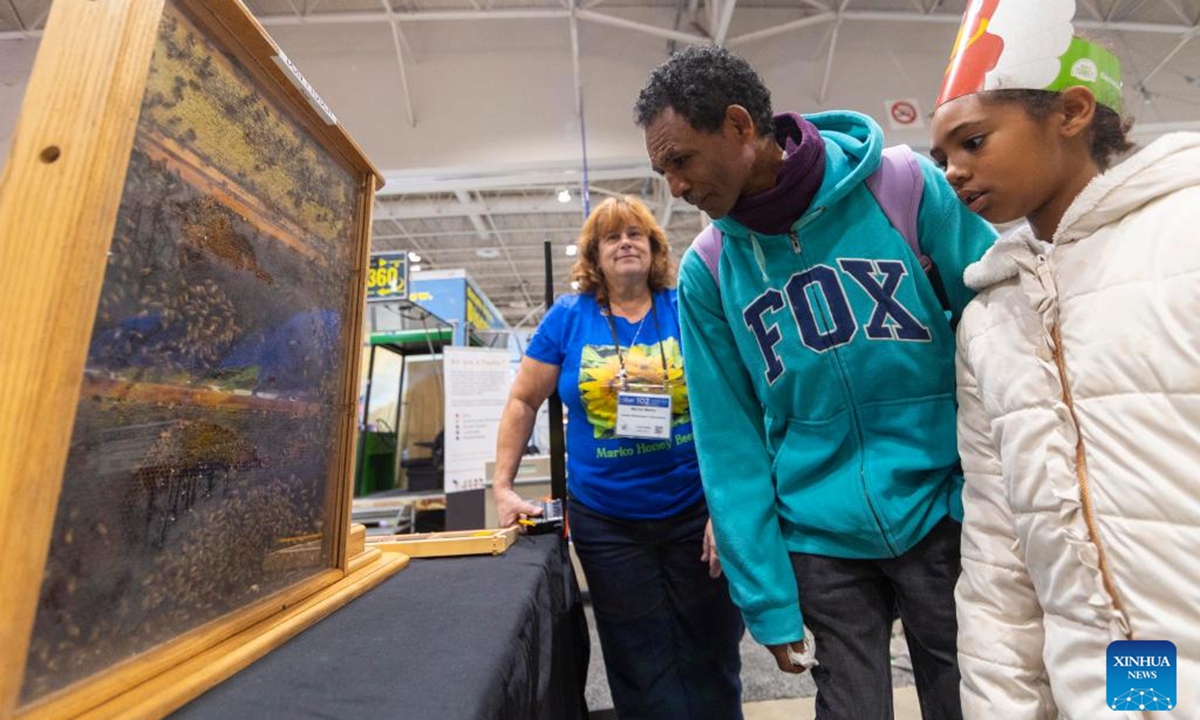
(956,19)
(725,17)
(892,16)
(481,229)
(416,16)
(787,27)
(528,253)
(833,38)
(654,30)
(1090,5)
(1145,79)
(512,266)
(412,241)
(1179,13)
(17,14)
(572,231)
(549,175)
(414,209)
(396,43)
(410,209)
(292,5)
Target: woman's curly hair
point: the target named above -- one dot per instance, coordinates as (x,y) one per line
(1109,131)
(615,215)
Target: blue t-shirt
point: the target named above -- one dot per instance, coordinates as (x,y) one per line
(622,477)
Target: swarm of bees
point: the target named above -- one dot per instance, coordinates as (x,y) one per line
(151,313)
(203,99)
(184,536)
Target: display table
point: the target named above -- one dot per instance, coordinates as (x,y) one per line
(474,638)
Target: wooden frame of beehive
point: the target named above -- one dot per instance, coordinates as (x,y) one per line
(104,110)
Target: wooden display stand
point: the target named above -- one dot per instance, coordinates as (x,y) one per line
(183,228)
(448,544)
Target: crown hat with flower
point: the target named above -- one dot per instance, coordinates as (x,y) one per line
(1029,45)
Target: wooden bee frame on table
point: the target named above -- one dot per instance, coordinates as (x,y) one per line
(183,227)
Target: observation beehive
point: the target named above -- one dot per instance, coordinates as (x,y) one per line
(183,227)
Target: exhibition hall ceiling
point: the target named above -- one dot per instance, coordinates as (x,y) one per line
(476,110)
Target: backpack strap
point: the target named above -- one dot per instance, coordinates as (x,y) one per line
(898,186)
(708,246)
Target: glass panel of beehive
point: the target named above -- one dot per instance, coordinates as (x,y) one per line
(203,452)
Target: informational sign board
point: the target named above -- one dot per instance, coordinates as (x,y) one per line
(903,113)
(387,276)
(476,387)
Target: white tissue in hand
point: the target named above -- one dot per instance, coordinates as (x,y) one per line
(808,658)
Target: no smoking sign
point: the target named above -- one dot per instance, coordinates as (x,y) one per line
(904,113)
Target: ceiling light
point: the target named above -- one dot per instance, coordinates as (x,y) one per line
(564,195)
(414,268)
(487,252)
(572,250)
(413,257)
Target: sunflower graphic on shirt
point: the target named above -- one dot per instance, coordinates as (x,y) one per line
(599,367)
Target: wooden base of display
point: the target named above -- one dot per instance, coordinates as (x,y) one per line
(164,693)
(447,544)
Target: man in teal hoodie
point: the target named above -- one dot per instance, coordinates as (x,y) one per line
(820,355)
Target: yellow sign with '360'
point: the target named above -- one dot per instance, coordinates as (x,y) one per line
(387,276)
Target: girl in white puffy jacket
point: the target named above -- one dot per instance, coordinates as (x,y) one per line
(1079,406)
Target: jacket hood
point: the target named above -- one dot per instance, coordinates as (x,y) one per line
(1166,165)
(853,147)
(1170,163)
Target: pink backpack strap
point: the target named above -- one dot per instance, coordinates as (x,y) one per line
(897,186)
(708,246)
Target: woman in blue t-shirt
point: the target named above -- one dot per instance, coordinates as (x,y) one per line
(667,626)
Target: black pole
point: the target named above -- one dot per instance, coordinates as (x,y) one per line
(558,450)
(362,427)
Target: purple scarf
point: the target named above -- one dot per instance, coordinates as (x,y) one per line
(773,210)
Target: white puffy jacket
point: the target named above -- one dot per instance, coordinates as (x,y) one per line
(1082,497)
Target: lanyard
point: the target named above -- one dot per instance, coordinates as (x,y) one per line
(617,343)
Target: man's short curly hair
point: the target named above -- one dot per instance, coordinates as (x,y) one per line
(699,82)
(616,214)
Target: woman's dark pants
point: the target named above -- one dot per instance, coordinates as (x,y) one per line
(668,631)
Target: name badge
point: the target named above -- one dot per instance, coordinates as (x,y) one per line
(643,415)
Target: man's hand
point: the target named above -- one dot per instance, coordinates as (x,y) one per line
(795,657)
(709,555)
(783,661)
(510,505)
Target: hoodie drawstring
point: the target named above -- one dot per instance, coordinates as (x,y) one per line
(760,258)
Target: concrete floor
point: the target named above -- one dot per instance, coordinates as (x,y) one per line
(906,707)
(768,693)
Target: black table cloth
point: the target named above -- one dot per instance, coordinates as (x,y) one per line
(471,638)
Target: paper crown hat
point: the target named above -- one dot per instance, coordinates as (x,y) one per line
(1028,45)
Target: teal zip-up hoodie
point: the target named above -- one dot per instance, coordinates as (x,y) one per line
(822,379)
